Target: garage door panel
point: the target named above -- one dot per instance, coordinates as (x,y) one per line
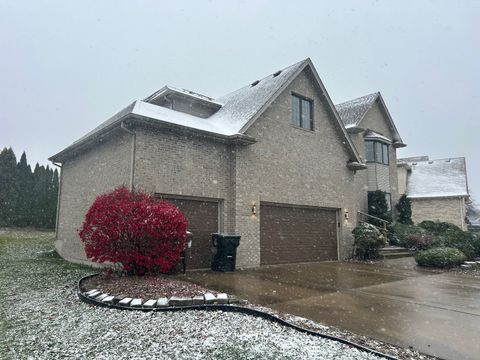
(295,234)
(202,219)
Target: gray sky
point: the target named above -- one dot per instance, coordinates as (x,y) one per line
(67,66)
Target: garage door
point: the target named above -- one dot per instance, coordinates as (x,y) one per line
(290,234)
(202,219)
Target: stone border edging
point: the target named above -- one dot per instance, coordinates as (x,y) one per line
(226,308)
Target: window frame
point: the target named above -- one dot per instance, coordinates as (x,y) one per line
(299,123)
(379,148)
(388,199)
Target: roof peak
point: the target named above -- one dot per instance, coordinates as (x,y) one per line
(371,95)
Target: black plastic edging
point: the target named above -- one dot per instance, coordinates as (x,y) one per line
(227,308)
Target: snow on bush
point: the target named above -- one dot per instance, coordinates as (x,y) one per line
(368,241)
(440,257)
(136,230)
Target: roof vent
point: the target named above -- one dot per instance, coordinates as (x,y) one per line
(275,74)
(255,82)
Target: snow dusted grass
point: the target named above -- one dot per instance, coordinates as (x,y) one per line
(41,317)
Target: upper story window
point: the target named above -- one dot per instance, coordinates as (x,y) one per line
(302,112)
(376,151)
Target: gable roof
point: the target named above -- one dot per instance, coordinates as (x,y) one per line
(352,112)
(239,109)
(437,178)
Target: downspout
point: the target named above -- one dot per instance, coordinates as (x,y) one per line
(58,197)
(132,162)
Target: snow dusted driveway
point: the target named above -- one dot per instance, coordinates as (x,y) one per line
(41,317)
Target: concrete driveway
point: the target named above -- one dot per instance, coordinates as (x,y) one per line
(435,313)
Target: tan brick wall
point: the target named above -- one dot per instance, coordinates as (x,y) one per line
(84,177)
(451,210)
(183,164)
(385,177)
(293,166)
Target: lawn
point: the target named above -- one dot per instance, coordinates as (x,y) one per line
(41,317)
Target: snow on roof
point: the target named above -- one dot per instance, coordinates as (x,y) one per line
(352,112)
(161,113)
(237,108)
(189,93)
(374,135)
(437,178)
(242,105)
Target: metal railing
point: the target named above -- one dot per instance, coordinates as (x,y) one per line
(364,218)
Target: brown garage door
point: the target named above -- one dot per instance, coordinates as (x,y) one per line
(202,219)
(291,234)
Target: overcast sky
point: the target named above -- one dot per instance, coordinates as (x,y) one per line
(67,66)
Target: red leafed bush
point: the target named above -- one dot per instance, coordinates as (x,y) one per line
(142,233)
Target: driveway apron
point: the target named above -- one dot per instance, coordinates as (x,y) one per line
(435,313)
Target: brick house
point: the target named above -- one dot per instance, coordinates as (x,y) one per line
(437,189)
(375,136)
(272,161)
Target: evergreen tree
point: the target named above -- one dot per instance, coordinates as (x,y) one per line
(26,198)
(8,190)
(24,183)
(378,207)
(404,208)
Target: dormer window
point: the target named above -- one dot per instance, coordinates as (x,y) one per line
(376,152)
(302,112)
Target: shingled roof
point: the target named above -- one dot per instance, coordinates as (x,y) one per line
(437,178)
(352,112)
(238,110)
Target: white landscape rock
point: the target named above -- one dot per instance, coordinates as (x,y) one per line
(108,299)
(180,301)
(162,302)
(198,300)
(150,303)
(94,293)
(209,298)
(136,302)
(222,298)
(101,297)
(125,301)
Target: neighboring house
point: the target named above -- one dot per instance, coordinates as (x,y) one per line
(438,189)
(271,161)
(376,138)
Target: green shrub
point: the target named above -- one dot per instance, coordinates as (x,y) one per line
(438,228)
(399,233)
(368,241)
(450,235)
(440,257)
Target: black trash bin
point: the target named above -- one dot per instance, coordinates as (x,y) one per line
(224,248)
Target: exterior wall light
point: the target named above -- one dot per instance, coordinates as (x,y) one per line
(254,209)
(346,215)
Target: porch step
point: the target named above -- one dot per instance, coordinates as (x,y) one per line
(395,252)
